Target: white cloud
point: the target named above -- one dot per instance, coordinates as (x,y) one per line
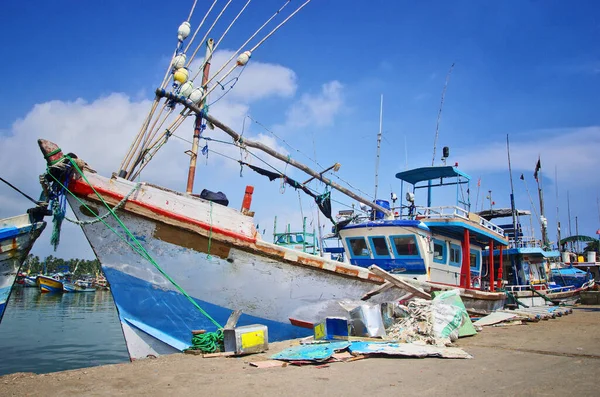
(257,81)
(319,109)
(100,132)
(574,151)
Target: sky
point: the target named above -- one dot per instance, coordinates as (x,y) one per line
(83,73)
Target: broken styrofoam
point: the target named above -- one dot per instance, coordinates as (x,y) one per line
(494,318)
(407,350)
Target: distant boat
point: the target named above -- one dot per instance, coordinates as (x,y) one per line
(79,286)
(30,281)
(17,235)
(52,283)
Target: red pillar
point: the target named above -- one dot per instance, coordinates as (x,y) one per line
(465,271)
(247,199)
(491,261)
(500,270)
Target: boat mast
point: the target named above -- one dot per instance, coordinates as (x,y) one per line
(198,123)
(378,146)
(541,197)
(513,210)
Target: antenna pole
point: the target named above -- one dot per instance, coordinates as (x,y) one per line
(378,146)
(439,117)
(557,212)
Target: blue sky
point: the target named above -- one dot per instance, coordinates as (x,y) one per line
(529,69)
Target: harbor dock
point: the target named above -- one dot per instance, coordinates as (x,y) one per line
(548,358)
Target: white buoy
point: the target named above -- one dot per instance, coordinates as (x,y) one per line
(244,58)
(183,31)
(196,95)
(186,89)
(181,75)
(179,61)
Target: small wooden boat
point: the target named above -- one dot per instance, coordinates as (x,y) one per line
(52,283)
(17,235)
(79,286)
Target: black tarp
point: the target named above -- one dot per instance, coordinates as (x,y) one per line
(218,197)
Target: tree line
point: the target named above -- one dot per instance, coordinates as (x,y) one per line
(34,265)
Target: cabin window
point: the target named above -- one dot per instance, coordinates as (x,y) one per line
(439,251)
(455,257)
(405,245)
(380,246)
(475,259)
(359,247)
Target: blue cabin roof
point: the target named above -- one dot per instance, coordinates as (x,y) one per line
(417,175)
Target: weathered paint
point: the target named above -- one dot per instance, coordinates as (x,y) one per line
(17,236)
(269,283)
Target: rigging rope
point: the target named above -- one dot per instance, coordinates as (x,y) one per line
(189,62)
(23,194)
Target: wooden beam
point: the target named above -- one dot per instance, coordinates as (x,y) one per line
(286,159)
(383,287)
(233,319)
(399,282)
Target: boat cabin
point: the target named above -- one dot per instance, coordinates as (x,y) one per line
(442,244)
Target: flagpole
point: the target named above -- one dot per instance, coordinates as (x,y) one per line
(557,211)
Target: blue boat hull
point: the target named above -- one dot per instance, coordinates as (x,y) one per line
(570,277)
(17,236)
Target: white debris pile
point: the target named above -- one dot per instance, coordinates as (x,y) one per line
(435,322)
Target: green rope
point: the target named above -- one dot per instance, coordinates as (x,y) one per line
(209,342)
(138,248)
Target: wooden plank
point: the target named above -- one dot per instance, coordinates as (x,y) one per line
(233,319)
(383,287)
(268,364)
(221,354)
(399,282)
(301,323)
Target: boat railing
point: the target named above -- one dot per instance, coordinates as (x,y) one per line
(442,212)
(490,226)
(561,289)
(449,212)
(517,288)
(526,242)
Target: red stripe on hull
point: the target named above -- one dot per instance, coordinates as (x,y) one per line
(82,188)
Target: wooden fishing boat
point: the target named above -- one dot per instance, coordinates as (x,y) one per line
(527,266)
(17,236)
(189,260)
(53,283)
(191,239)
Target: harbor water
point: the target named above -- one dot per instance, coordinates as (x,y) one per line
(44,333)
